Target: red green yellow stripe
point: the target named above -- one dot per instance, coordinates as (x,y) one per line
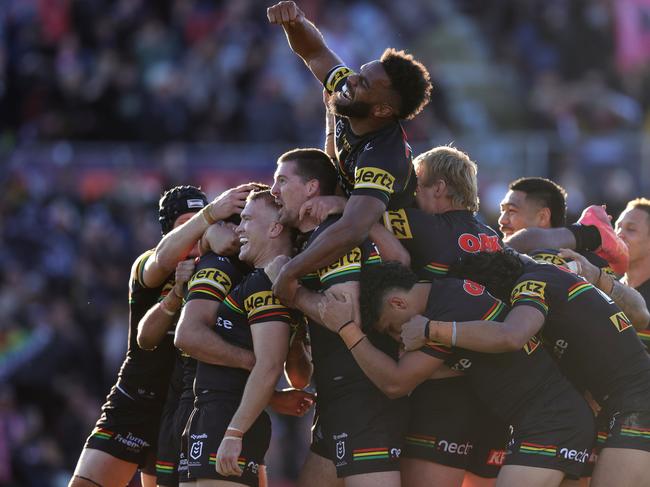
(265,317)
(356,270)
(528,299)
(232,304)
(644,335)
(370,454)
(102,434)
(421,440)
(164,467)
(212,460)
(494,311)
(578,288)
(210,291)
(535,449)
(602,437)
(374,258)
(635,432)
(437,268)
(439,347)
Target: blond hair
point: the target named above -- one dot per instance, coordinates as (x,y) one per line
(640,204)
(456,169)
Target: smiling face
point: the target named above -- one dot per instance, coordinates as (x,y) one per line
(362,92)
(290,192)
(519,212)
(257,221)
(633,227)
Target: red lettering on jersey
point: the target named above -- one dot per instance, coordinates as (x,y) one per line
(473,288)
(484,242)
(496,457)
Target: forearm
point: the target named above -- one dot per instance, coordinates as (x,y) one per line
(330,135)
(305,40)
(530,239)
(155,324)
(257,394)
(175,246)
(206,346)
(480,336)
(389,246)
(307,302)
(298,368)
(628,299)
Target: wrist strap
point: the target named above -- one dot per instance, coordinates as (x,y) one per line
(357,342)
(426,330)
(207,216)
(238,438)
(453,334)
(163,307)
(344,325)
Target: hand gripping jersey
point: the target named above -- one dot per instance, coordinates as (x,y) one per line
(250,303)
(437,241)
(378,164)
(334,366)
(505,381)
(593,340)
(145,374)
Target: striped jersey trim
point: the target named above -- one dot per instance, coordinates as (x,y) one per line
(421,440)
(102,434)
(165,467)
(528,299)
(535,449)
(577,289)
(232,304)
(635,432)
(370,454)
(437,268)
(494,311)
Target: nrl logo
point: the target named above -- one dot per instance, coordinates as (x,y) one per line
(196,450)
(340,449)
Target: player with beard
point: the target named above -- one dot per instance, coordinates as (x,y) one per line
(228,432)
(523,388)
(126,433)
(373,158)
(539,205)
(357,431)
(592,339)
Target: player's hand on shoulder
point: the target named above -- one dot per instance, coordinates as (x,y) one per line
(413,333)
(320,207)
(335,310)
(284,13)
(273,268)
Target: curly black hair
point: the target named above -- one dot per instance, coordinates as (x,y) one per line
(497,271)
(375,282)
(410,79)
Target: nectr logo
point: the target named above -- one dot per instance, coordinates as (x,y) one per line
(373,178)
(575,455)
(455,448)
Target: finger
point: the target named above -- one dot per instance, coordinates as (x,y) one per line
(285,14)
(305,209)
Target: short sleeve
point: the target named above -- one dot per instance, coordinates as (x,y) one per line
(260,304)
(213,279)
(530,292)
(334,79)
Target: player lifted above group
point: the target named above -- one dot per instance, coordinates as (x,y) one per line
(514,369)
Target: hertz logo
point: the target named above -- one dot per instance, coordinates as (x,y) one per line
(550,258)
(212,276)
(398,223)
(261,301)
(621,322)
(373,178)
(529,288)
(336,76)
(351,260)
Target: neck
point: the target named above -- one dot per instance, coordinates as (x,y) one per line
(420,293)
(638,272)
(363,126)
(270,253)
(445,205)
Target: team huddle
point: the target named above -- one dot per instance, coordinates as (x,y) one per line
(440,354)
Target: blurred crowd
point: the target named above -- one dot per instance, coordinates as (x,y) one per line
(215,71)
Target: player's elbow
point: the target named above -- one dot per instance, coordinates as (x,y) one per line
(641,320)
(183,339)
(145,341)
(299,379)
(395,390)
(511,341)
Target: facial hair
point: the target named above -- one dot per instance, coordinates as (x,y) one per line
(355,109)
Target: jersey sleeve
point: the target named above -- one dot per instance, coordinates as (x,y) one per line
(213,278)
(260,305)
(137,270)
(384,167)
(345,269)
(530,290)
(334,80)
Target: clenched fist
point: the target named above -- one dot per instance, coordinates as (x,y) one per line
(284,13)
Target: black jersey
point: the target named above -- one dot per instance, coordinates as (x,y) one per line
(378,164)
(334,366)
(214,277)
(593,340)
(145,374)
(250,303)
(437,241)
(503,381)
(551,256)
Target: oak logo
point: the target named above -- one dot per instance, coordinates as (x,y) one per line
(481,243)
(213,277)
(529,288)
(621,322)
(398,223)
(261,300)
(373,178)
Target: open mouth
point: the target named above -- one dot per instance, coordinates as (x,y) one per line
(243,240)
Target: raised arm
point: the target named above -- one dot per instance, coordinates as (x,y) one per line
(390,248)
(270,340)
(195,337)
(519,326)
(304,38)
(527,240)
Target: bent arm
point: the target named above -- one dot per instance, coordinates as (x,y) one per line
(527,240)
(298,367)
(390,248)
(160,318)
(512,334)
(270,340)
(195,337)
(628,299)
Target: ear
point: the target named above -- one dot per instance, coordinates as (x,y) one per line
(439,188)
(397,302)
(544,216)
(313,188)
(383,110)
(276,229)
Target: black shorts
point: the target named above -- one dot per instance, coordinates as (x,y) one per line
(205,429)
(171,466)
(490,441)
(555,430)
(441,422)
(128,430)
(361,431)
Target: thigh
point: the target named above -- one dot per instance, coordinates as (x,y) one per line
(424,473)
(374,479)
(622,467)
(318,471)
(519,475)
(473,480)
(103,469)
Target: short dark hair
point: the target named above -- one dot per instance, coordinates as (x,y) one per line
(375,281)
(497,271)
(263,192)
(313,163)
(410,79)
(546,193)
